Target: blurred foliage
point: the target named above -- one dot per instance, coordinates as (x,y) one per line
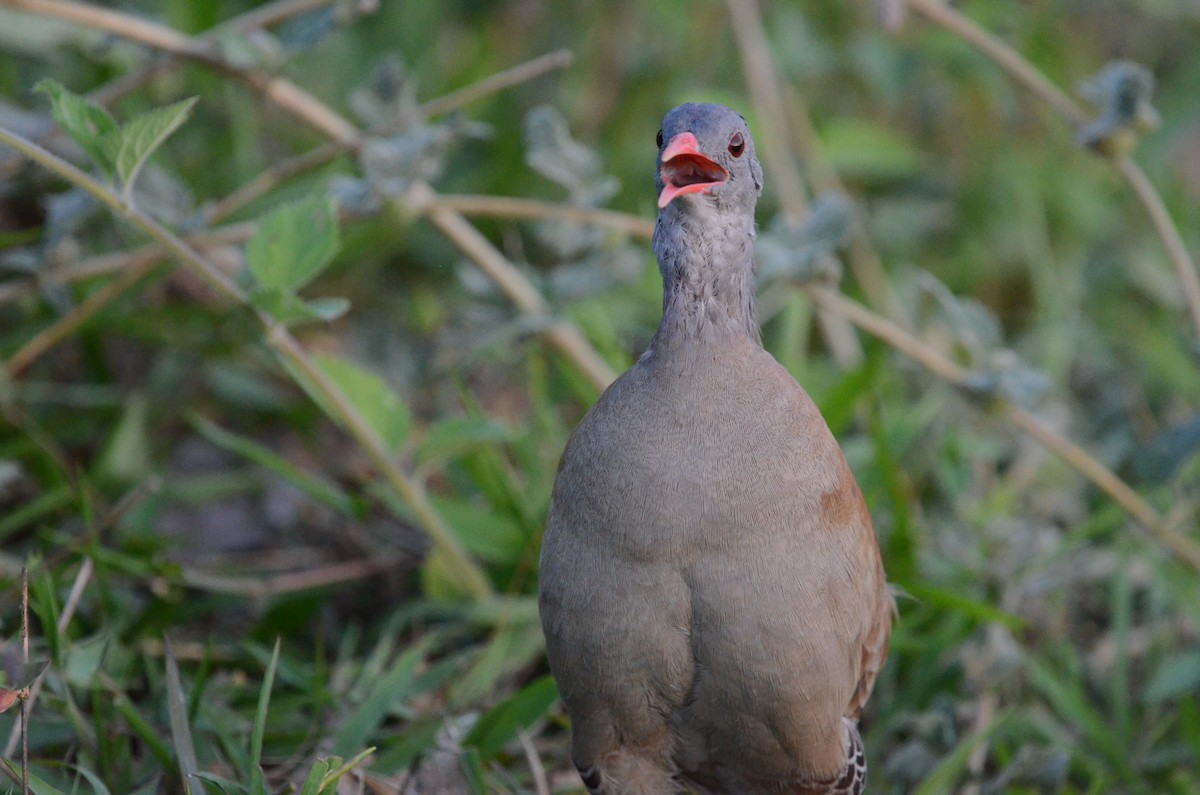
(1045,644)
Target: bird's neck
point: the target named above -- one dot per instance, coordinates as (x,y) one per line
(707,265)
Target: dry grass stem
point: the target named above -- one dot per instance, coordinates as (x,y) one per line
(500,81)
(564,336)
(69,323)
(1033,79)
(533,210)
(82,578)
(259,586)
(118,261)
(766,93)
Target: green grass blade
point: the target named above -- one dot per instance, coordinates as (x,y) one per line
(500,725)
(177,711)
(257,783)
(385,692)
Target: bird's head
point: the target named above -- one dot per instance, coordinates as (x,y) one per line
(706,157)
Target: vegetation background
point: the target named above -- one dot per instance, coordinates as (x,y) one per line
(266,529)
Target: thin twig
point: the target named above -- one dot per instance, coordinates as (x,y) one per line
(533,210)
(521,73)
(269,15)
(566,337)
(767,95)
(282,92)
(1006,57)
(120,24)
(1082,461)
(69,323)
(864,262)
(259,586)
(268,180)
(82,578)
(30,692)
(118,261)
(1160,217)
(1024,72)
(245,23)
(541,785)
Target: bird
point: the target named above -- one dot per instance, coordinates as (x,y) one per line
(711,589)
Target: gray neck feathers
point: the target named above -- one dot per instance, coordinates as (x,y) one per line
(707,264)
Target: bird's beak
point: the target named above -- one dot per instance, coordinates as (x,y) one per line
(686,170)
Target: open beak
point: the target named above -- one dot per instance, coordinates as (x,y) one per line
(685,170)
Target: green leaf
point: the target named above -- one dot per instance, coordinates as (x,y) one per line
(83,660)
(293,244)
(98,786)
(226,784)
(36,785)
(472,768)
(88,125)
(289,309)
(450,438)
(379,406)
(1177,676)
(492,536)
(126,457)
(386,693)
(499,725)
(143,134)
(257,783)
(312,784)
(181,732)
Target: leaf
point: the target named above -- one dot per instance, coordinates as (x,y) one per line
(312,784)
(499,725)
(1163,457)
(87,124)
(1177,676)
(257,784)
(450,438)
(483,531)
(472,769)
(1121,92)
(379,406)
(83,660)
(126,457)
(177,712)
(293,244)
(289,309)
(36,785)
(98,786)
(386,692)
(143,134)
(330,780)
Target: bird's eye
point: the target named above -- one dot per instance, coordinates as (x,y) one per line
(737,144)
(658,139)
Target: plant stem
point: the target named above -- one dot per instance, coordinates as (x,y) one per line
(1024,72)
(464,570)
(566,337)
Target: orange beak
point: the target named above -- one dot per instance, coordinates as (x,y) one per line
(686,170)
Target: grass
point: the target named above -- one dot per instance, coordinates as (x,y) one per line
(282,542)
